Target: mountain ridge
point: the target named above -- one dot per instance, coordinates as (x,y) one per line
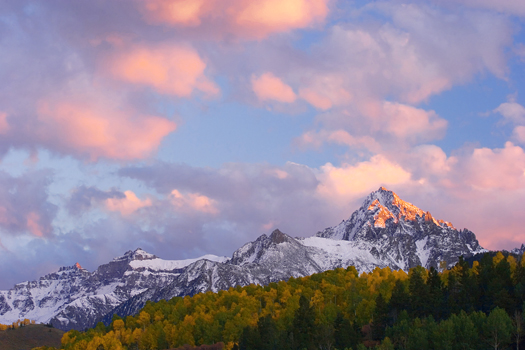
(384,231)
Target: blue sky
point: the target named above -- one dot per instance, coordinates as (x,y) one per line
(188,127)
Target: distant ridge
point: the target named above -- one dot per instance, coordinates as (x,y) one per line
(384,231)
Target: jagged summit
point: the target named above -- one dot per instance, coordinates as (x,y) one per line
(383,209)
(278,237)
(384,231)
(137,254)
(401,234)
(387,205)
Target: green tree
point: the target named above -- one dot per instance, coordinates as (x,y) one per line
(304,330)
(386,344)
(346,334)
(435,294)
(498,328)
(443,335)
(380,318)
(418,291)
(399,301)
(466,336)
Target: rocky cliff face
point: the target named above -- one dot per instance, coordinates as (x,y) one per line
(384,231)
(74,298)
(402,235)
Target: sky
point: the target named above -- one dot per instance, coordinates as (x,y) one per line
(191,127)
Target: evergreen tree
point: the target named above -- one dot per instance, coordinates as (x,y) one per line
(485,278)
(250,339)
(498,328)
(399,301)
(380,318)
(418,292)
(304,330)
(466,336)
(346,334)
(435,294)
(502,287)
(267,333)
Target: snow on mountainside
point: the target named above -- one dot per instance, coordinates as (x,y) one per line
(385,231)
(75,298)
(401,235)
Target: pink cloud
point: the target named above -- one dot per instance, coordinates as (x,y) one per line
(269,87)
(177,12)
(496,169)
(324,91)
(315,99)
(376,126)
(263,17)
(512,112)
(194,202)
(33,224)
(100,130)
(340,137)
(245,18)
(127,205)
(171,70)
(405,121)
(348,182)
(431,161)
(4,125)
(519,134)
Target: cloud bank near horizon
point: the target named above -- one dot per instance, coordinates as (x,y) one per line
(191,127)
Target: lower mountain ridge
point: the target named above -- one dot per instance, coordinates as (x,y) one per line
(384,231)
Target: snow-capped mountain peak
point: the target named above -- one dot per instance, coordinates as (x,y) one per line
(386,205)
(384,231)
(137,254)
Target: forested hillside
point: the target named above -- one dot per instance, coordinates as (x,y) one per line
(465,307)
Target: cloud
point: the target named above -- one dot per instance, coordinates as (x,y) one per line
(24,204)
(244,18)
(4,125)
(194,202)
(99,129)
(246,196)
(340,137)
(502,168)
(269,87)
(519,134)
(407,122)
(511,7)
(347,182)
(326,91)
(83,198)
(127,205)
(176,12)
(172,70)
(359,62)
(512,112)
(430,164)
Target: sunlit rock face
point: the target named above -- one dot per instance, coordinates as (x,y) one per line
(384,232)
(402,235)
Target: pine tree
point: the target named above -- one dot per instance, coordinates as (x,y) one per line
(498,328)
(304,330)
(418,292)
(380,318)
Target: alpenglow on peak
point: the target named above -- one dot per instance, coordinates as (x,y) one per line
(388,205)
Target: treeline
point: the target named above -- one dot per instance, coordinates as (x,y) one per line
(16,324)
(465,307)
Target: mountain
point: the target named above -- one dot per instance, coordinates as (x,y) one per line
(74,298)
(401,235)
(384,231)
